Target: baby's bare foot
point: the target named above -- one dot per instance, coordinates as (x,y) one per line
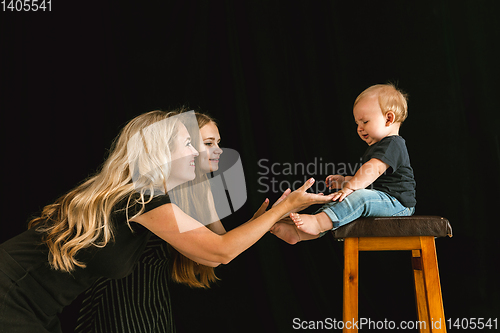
(306,223)
(286,232)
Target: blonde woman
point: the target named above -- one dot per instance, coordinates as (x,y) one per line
(113,305)
(101,227)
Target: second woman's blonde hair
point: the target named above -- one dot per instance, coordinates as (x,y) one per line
(82,217)
(184,270)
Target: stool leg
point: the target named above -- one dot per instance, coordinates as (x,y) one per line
(350,312)
(420,293)
(432,284)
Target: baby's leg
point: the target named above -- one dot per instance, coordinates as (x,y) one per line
(289,233)
(312,224)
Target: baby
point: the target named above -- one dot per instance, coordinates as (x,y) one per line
(378,112)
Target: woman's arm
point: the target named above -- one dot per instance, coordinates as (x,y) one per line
(219,229)
(198,260)
(169,221)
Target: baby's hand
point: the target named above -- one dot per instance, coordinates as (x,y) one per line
(334,181)
(342,194)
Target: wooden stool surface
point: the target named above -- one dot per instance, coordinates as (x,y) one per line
(395,226)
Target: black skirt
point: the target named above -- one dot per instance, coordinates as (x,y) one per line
(137,303)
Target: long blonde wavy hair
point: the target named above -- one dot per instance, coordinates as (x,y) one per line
(82,217)
(191,199)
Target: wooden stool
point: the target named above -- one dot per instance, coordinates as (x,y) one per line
(411,233)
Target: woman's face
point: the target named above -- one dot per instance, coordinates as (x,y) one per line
(209,159)
(183,154)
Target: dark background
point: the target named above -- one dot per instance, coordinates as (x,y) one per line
(280,77)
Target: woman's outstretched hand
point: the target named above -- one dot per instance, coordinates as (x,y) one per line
(261,210)
(300,199)
(283,197)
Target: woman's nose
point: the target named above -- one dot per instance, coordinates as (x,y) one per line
(194,151)
(218,150)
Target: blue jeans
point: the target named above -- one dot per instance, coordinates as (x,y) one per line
(364,203)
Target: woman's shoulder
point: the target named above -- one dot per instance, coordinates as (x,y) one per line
(134,204)
(155,202)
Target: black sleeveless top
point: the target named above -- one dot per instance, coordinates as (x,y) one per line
(45,291)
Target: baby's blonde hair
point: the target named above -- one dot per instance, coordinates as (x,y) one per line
(390,98)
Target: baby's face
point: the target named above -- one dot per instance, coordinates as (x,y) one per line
(373,126)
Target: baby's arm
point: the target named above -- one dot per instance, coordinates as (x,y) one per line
(336,181)
(367,174)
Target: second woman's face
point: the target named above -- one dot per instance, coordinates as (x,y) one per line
(209,159)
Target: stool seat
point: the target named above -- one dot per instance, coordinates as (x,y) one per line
(395,226)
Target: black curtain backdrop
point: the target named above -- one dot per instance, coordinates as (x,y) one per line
(280,77)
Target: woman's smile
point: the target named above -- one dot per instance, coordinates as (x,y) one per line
(209,161)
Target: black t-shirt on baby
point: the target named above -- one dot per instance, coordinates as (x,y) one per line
(398,180)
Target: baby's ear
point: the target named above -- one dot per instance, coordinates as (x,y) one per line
(390,117)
